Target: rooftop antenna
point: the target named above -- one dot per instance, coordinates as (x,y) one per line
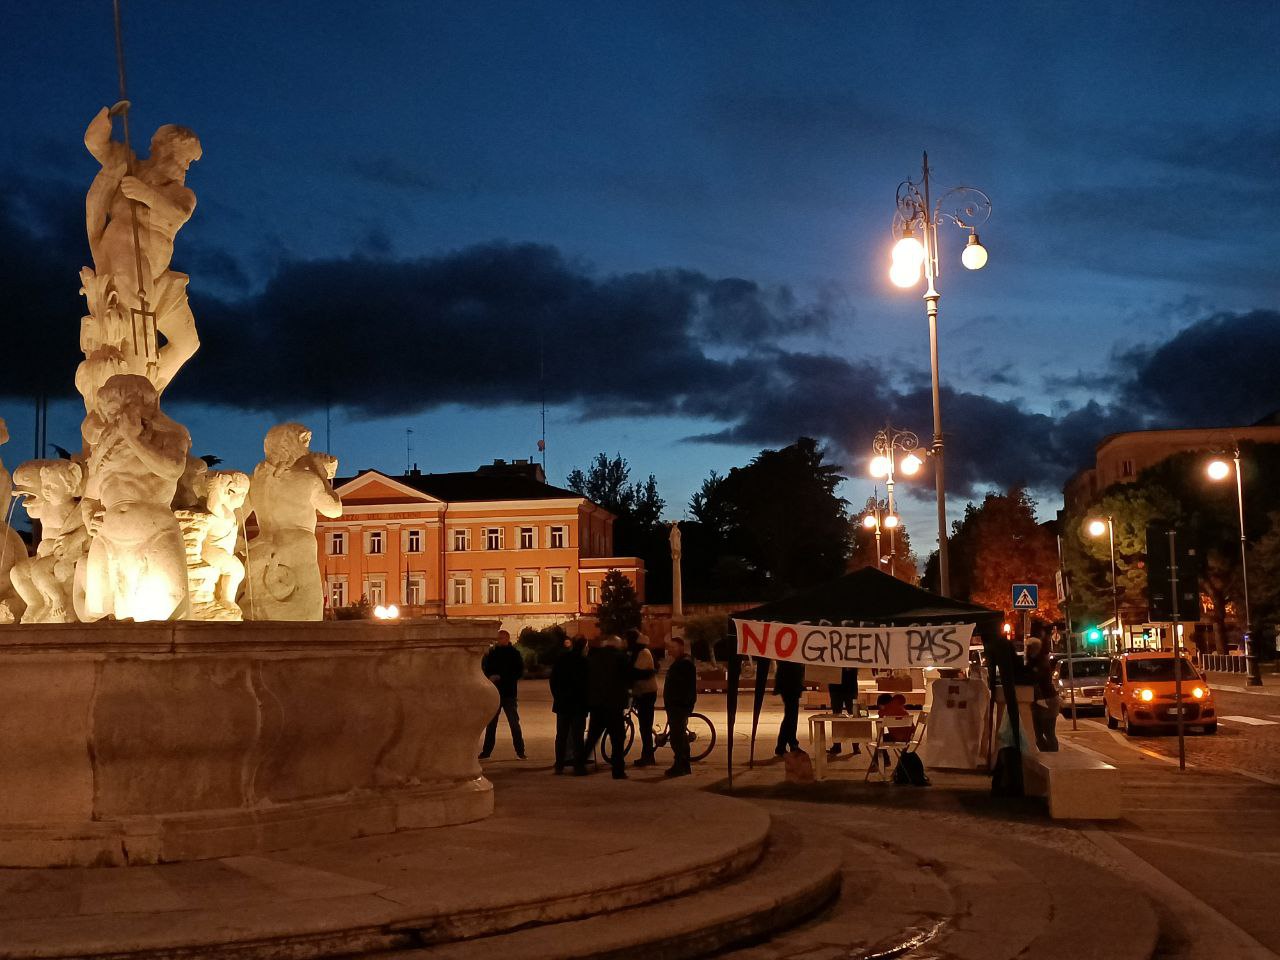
(542,389)
(142,316)
(408,449)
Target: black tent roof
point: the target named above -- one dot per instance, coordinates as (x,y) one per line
(868,597)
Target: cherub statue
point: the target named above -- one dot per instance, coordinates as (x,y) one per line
(51,492)
(136,567)
(12,549)
(227,492)
(115,339)
(287,489)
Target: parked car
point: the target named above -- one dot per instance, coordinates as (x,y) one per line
(1139,694)
(1088,675)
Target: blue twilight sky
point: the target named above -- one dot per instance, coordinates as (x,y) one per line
(685,209)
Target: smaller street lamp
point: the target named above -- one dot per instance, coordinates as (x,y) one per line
(876,520)
(1219,469)
(893,451)
(1096,528)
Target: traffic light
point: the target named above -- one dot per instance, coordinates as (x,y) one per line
(1092,636)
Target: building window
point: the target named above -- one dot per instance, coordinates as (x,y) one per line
(337,592)
(459,590)
(557,588)
(493,538)
(528,588)
(559,538)
(593,593)
(526,538)
(415,594)
(493,590)
(375,590)
(461,540)
(377,542)
(413,543)
(338,543)
(1126,468)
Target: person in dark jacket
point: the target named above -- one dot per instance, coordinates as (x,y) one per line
(844,700)
(1047,704)
(504,666)
(608,692)
(679,695)
(644,692)
(788,683)
(569,703)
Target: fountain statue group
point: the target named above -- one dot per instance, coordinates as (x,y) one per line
(134,527)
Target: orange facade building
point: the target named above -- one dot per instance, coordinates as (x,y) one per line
(498,543)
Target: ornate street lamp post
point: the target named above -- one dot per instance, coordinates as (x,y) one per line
(875,520)
(885,448)
(967,208)
(1219,469)
(1097,528)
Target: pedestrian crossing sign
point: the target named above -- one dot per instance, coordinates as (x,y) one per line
(1026,596)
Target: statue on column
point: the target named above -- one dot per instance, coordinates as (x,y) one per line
(51,491)
(133,211)
(286,491)
(12,547)
(136,568)
(677,589)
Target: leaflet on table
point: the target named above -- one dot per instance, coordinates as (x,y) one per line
(936,645)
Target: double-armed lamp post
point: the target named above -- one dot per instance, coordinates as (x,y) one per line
(915,225)
(885,450)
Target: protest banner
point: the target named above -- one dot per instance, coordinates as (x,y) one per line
(926,645)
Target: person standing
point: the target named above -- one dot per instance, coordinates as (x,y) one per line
(569,703)
(679,695)
(844,702)
(608,689)
(788,683)
(504,667)
(644,691)
(1046,705)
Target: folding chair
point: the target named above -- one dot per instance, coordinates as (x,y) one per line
(894,735)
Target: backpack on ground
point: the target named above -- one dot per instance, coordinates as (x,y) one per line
(910,770)
(798,767)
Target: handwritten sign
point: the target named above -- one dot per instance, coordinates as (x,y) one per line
(939,645)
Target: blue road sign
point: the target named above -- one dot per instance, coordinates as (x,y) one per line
(1026,596)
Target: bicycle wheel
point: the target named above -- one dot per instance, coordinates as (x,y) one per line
(628,735)
(702,736)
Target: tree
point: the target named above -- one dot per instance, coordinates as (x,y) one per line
(998,544)
(619,607)
(772,526)
(863,552)
(638,530)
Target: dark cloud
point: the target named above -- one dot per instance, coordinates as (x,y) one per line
(1220,371)
(1088,380)
(381,336)
(390,172)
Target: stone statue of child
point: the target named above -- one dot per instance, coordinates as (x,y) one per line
(286,491)
(12,549)
(51,491)
(136,567)
(227,492)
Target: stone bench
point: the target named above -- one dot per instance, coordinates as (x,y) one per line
(1078,785)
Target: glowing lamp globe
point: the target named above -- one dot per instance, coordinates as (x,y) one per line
(869,521)
(910,464)
(1219,470)
(974,256)
(1097,528)
(909,250)
(903,274)
(891,521)
(879,466)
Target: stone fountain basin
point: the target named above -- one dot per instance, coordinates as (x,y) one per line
(126,743)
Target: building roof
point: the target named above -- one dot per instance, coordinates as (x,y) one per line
(481,485)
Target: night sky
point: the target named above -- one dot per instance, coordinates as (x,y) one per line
(685,209)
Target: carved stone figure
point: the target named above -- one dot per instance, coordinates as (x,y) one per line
(193,486)
(677,587)
(214,572)
(286,491)
(132,294)
(136,568)
(51,492)
(12,548)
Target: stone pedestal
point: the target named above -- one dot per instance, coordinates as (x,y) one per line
(130,743)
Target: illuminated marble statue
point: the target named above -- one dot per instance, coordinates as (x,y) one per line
(136,568)
(51,492)
(214,572)
(134,298)
(12,549)
(286,491)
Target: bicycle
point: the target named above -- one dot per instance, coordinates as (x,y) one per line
(700,731)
